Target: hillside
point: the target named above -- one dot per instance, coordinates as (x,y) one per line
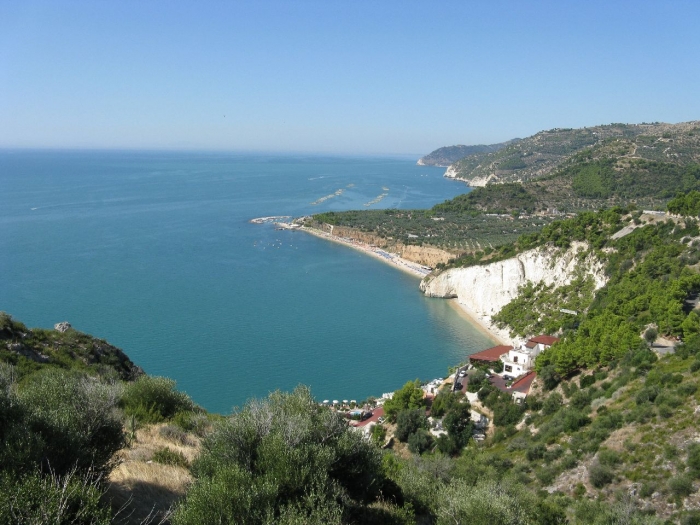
(606,435)
(30,350)
(445,156)
(543,153)
(579,170)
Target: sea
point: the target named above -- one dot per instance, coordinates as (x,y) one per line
(154,252)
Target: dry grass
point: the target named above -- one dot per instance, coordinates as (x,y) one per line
(144,490)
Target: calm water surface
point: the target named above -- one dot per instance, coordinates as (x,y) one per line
(154,252)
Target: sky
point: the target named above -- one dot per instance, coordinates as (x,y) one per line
(337,77)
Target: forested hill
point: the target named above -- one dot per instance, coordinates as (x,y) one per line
(545,152)
(450,154)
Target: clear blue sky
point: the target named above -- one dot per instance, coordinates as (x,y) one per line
(337,76)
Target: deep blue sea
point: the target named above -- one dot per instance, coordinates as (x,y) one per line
(154,252)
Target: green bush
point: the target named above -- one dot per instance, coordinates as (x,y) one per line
(420,441)
(600,475)
(694,458)
(154,399)
(552,404)
(535,452)
(378,434)
(608,457)
(681,486)
(167,456)
(285,452)
(34,499)
(73,418)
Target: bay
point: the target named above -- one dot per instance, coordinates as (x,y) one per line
(154,252)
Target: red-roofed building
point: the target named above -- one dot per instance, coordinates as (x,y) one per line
(544,340)
(521,360)
(490,355)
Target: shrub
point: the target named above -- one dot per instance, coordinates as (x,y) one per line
(580,399)
(154,399)
(176,435)
(280,453)
(600,475)
(167,456)
(378,434)
(586,381)
(553,454)
(74,419)
(647,489)
(568,462)
(687,389)
(608,457)
(54,499)
(694,458)
(647,395)
(695,366)
(420,441)
(552,404)
(535,452)
(546,475)
(681,486)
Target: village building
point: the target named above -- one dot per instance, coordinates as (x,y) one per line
(521,360)
(490,355)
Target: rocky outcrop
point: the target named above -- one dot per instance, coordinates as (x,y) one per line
(475,182)
(62,327)
(484,290)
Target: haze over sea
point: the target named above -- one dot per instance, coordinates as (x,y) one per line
(153,252)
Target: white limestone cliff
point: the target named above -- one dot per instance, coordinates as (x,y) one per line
(476,182)
(483,290)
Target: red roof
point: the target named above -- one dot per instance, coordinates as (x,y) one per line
(548,340)
(491,354)
(523,384)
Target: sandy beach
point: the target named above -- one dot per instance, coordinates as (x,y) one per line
(392,259)
(497,335)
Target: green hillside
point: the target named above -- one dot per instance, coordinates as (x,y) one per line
(545,152)
(450,154)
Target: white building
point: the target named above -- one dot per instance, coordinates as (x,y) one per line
(521,360)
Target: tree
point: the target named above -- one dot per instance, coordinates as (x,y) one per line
(408,396)
(458,424)
(409,422)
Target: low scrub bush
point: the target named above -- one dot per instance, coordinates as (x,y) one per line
(166,456)
(58,500)
(600,475)
(154,399)
(681,486)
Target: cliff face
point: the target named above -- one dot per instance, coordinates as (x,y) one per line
(484,290)
(475,182)
(425,255)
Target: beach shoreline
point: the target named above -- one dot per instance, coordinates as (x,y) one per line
(406,266)
(496,335)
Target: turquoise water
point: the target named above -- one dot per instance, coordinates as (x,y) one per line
(154,252)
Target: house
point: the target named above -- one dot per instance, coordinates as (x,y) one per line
(521,360)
